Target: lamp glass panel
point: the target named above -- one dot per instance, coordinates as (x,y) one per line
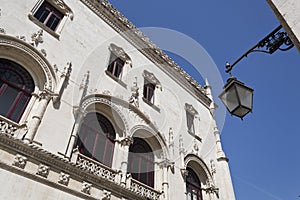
(241,111)
(245,95)
(230,99)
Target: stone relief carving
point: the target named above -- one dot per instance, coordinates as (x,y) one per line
(151,78)
(119,52)
(106,195)
(195,147)
(134,98)
(20,161)
(2,31)
(37,38)
(63,6)
(86,187)
(64,178)
(7,128)
(43,170)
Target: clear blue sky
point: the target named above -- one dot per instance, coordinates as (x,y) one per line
(263,150)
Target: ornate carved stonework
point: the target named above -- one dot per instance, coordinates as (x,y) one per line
(12,43)
(106,195)
(63,7)
(151,78)
(64,178)
(86,187)
(134,98)
(119,52)
(20,161)
(43,170)
(7,128)
(2,31)
(37,38)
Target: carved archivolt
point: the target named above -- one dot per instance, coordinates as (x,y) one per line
(93,99)
(199,165)
(30,58)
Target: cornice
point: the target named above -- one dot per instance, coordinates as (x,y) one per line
(126,29)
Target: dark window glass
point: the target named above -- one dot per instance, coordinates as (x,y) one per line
(16,86)
(148,91)
(97,138)
(193,186)
(48,15)
(141,162)
(115,66)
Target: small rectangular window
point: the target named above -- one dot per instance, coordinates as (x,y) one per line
(148,91)
(49,15)
(115,66)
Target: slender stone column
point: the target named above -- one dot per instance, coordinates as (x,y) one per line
(166,165)
(41,105)
(125,143)
(78,121)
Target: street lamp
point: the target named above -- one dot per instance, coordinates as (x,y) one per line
(236,96)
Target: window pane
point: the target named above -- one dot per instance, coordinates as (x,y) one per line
(19,107)
(52,22)
(7,99)
(42,14)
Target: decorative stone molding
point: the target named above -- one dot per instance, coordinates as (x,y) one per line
(166,163)
(184,173)
(144,190)
(42,67)
(61,5)
(96,168)
(126,141)
(119,52)
(64,178)
(106,195)
(43,170)
(212,190)
(7,128)
(86,187)
(2,31)
(151,78)
(37,38)
(20,161)
(201,166)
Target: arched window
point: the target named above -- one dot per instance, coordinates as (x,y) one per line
(193,186)
(141,162)
(16,87)
(97,138)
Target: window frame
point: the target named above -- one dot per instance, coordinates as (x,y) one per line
(147,156)
(190,186)
(108,139)
(23,90)
(63,9)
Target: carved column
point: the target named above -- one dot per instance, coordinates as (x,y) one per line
(41,105)
(166,165)
(220,152)
(78,121)
(125,143)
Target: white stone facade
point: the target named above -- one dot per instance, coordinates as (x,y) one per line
(40,156)
(287,12)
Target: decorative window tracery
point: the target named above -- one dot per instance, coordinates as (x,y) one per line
(16,87)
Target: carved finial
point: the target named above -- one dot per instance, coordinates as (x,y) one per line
(37,38)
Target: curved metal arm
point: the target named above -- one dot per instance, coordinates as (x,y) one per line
(269,45)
